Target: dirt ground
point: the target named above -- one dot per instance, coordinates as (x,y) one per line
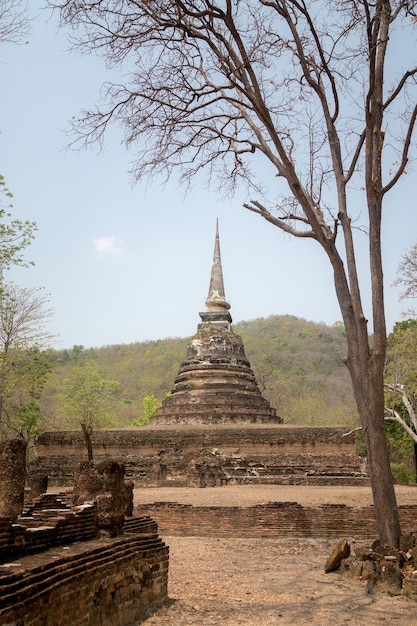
(248,495)
(263,582)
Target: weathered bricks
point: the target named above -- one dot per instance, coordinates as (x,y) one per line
(37,531)
(110,582)
(12,477)
(276,519)
(180,456)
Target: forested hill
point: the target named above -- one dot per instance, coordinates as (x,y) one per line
(298,365)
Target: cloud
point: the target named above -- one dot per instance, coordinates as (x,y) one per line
(109,245)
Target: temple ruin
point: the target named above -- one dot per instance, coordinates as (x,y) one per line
(215,383)
(215,428)
(87,561)
(84,558)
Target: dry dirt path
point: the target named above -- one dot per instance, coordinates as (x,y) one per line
(250,582)
(264,582)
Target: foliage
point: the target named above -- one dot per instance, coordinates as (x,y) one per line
(28,418)
(401,448)
(150,405)
(402,356)
(15,234)
(298,365)
(401,395)
(24,365)
(23,374)
(299,368)
(87,400)
(142,369)
(88,397)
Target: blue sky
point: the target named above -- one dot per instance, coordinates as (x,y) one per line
(125,264)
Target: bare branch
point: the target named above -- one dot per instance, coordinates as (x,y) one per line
(14,21)
(350,432)
(256,207)
(407,273)
(393,416)
(287,97)
(400,389)
(405,151)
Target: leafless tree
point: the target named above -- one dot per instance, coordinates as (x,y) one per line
(24,313)
(407,277)
(14,21)
(296,99)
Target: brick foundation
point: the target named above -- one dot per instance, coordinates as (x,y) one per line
(112,582)
(55,570)
(182,456)
(272,520)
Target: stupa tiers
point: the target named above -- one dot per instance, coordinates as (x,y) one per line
(215,383)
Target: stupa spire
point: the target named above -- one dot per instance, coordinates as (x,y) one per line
(216,299)
(215,383)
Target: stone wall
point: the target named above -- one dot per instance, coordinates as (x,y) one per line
(272,520)
(111,582)
(209,456)
(30,535)
(55,568)
(12,477)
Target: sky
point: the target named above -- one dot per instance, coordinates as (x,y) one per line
(125,263)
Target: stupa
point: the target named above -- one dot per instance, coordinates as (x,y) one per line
(215,383)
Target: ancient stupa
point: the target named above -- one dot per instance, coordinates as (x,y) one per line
(215,383)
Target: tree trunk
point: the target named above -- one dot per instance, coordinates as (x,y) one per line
(382,482)
(367,379)
(415,461)
(366,369)
(87,438)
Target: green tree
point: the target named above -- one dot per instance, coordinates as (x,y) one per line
(23,360)
(88,399)
(150,406)
(15,234)
(401,390)
(305,103)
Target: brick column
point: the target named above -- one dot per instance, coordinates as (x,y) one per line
(12,477)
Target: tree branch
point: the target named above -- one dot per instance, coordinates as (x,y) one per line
(256,207)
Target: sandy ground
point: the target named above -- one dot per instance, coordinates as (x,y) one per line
(247,582)
(263,582)
(234,495)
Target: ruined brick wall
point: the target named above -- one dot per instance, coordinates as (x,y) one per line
(12,477)
(273,520)
(208,456)
(36,533)
(112,582)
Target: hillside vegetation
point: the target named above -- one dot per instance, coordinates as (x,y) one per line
(298,365)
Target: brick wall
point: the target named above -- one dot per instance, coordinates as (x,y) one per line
(112,582)
(203,456)
(25,536)
(276,519)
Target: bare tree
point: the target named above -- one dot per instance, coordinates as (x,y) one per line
(23,339)
(14,21)
(407,276)
(292,98)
